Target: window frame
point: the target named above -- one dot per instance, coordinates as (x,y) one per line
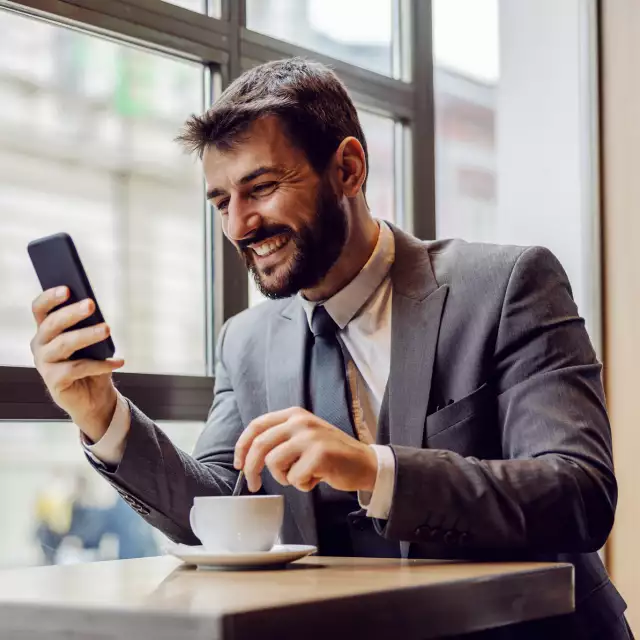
(226,48)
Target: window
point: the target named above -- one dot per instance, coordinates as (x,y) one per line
(57,510)
(358,31)
(515,131)
(212,7)
(380,134)
(194,5)
(86,146)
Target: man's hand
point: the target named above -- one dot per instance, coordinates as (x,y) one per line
(82,388)
(302,450)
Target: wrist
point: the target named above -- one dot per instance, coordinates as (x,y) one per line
(371,466)
(95,424)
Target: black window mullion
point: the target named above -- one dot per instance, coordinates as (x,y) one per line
(422,127)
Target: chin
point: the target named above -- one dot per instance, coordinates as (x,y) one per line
(275,283)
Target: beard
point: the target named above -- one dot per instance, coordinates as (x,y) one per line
(317,247)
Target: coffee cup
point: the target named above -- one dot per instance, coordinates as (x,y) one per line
(237,524)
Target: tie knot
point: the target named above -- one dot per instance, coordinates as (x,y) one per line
(322,324)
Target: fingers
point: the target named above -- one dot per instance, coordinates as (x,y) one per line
(261,446)
(66,373)
(65,344)
(297,462)
(255,428)
(280,460)
(308,470)
(299,449)
(57,321)
(46,301)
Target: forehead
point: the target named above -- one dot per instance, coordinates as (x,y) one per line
(264,144)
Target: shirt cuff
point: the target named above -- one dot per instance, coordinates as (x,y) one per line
(110,448)
(378,502)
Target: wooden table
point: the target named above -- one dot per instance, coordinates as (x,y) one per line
(160,599)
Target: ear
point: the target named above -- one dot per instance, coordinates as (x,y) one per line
(352,166)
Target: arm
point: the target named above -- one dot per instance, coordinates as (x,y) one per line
(160,481)
(109,449)
(378,502)
(555,490)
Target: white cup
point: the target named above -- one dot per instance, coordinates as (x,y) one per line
(237,524)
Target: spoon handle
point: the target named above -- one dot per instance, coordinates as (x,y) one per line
(237,490)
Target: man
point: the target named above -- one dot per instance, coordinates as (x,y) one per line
(453,405)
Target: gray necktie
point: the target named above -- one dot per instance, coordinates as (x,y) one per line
(327,380)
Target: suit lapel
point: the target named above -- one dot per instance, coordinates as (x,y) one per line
(286,358)
(414,338)
(416,313)
(285,369)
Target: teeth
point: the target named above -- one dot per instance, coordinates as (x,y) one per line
(270,246)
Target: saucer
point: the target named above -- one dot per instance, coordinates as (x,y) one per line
(281,554)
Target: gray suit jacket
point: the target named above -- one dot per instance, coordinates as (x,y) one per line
(494,409)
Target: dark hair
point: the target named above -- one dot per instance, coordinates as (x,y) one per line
(313,105)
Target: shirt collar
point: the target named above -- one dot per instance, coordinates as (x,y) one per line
(345,304)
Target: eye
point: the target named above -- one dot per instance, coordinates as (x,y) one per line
(222,205)
(264,188)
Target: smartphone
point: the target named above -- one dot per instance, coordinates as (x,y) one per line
(56,261)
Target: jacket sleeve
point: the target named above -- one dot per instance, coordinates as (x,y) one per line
(554,489)
(160,481)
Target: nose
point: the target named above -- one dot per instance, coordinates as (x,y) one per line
(242,220)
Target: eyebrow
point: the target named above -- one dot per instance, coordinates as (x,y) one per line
(250,177)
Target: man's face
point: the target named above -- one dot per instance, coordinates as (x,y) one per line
(285,220)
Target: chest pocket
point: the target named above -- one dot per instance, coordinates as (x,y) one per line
(468,426)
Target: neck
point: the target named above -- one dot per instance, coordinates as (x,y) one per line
(361,241)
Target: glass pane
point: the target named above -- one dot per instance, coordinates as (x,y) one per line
(200,6)
(379,132)
(358,31)
(194,5)
(514,148)
(57,509)
(86,146)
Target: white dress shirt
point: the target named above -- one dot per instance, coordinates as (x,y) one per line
(362,311)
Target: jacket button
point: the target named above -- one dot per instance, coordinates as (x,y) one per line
(451,537)
(423,532)
(436,535)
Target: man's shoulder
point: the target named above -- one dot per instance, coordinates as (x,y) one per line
(457,255)
(454,259)
(454,255)
(476,269)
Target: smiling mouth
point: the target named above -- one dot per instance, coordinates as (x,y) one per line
(270,246)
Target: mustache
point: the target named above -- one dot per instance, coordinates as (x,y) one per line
(264,233)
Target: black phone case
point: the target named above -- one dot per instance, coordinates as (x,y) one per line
(57,263)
